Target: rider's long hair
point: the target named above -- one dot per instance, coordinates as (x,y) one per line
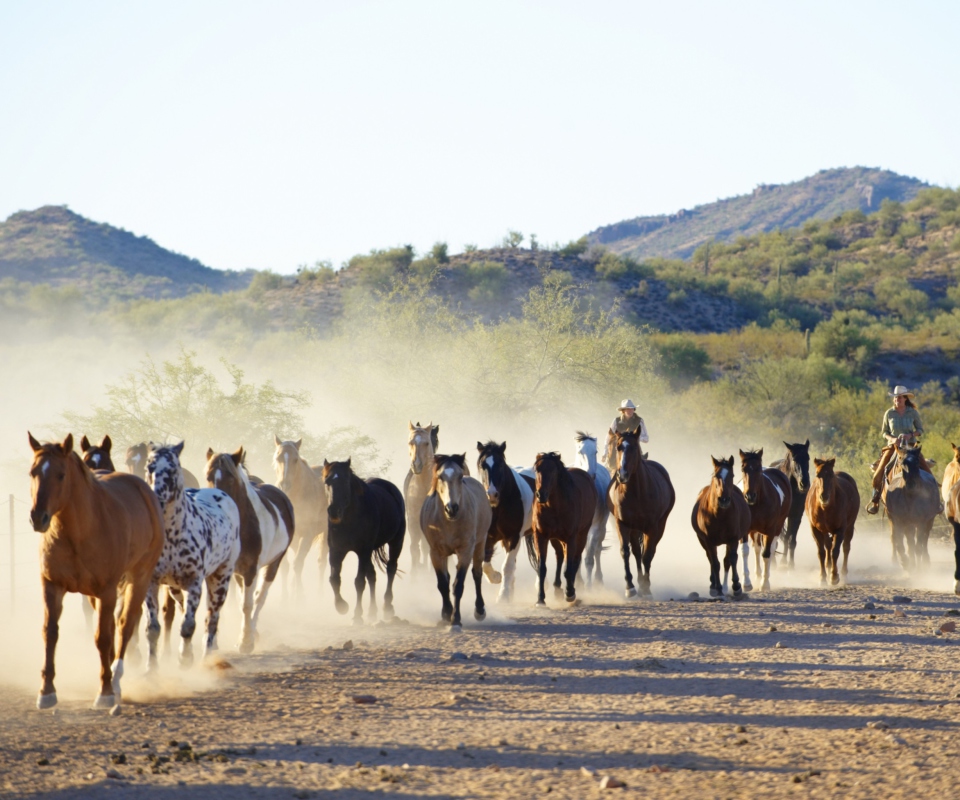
(909,403)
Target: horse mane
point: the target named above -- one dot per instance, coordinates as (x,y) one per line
(582,437)
(749,455)
(563,477)
(440,462)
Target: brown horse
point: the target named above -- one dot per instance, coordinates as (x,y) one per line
(422,443)
(640,498)
(97,456)
(721,516)
(564,503)
(833,503)
(99,530)
(768,493)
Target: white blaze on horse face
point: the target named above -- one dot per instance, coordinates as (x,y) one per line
(45,468)
(95,458)
(136,458)
(416,439)
(217,476)
(723,474)
(490,462)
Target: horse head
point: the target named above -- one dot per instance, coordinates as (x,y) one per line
(285,460)
(908,459)
(751,465)
(800,464)
(136,459)
(224,472)
(722,481)
(448,482)
(164,473)
(629,455)
(50,478)
(423,444)
(548,468)
(586,452)
(492,466)
(97,456)
(341,485)
(827,478)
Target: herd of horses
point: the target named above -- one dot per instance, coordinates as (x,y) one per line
(114,535)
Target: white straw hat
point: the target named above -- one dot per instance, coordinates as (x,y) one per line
(627,404)
(900,391)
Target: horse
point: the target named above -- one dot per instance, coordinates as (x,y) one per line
(97,456)
(136,461)
(768,493)
(455,518)
(952,508)
(423,443)
(586,459)
(510,495)
(201,545)
(102,535)
(833,503)
(796,466)
(912,500)
(303,484)
(363,517)
(266,529)
(721,516)
(564,502)
(640,498)
(951,475)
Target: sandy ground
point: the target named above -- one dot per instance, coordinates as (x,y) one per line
(797,691)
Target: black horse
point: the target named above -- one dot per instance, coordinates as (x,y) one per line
(912,500)
(364,517)
(796,466)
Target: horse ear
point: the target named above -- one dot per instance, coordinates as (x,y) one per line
(210,453)
(807,443)
(325,463)
(276,440)
(67,445)
(830,463)
(480,447)
(106,443)
(178,448)
(298,443)
(742,454)
(787,445)
(34,443)
(412,426)
(347,462)
(237,457)
(816,461)
(84,443)
(760,452)
(503,448)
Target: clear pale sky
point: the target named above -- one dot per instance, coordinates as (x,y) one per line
(269,135)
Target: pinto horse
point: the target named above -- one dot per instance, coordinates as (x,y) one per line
(564,503)
(640,498)
(510,495)
(721,516)
(102,534)
(586,459)
(455,518)
(912,500)
(767,492)
(423,443)
(833,503)
(796,466)
(97,456)
(266,529)
(364,517)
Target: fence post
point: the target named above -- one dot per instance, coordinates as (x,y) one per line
(13,592)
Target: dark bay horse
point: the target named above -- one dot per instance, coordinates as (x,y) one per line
(510,495)
(911,497)
(640,497)
(102,535)
(796,466)
(721,517)
(97,456)
(564,503)
(366,518)
(833,503)
(767,492)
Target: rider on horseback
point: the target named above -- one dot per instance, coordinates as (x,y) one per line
(627,421)
(901,427)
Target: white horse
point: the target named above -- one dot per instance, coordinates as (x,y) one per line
(587,461)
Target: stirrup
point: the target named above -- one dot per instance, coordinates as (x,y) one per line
(873,507)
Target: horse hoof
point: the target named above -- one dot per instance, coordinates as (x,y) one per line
(631,592)
(764,588)
(716,592)
(341,606)
(456,628)
(492,575)
(388,612)
(45,701)
(479,615)
(105,701)
(570,598)
(956,590)
(747,586)
(541,603)
(738,593)
(557,592)
(245,647)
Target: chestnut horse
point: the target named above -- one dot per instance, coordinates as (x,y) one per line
(640,497)
(564,503)
(721,516)
(767,492)
(833,503)
(796,466)
(99,531)
(97,456)
(422,443)
(455,518)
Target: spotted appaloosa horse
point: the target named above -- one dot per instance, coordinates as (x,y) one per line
(97,456)
(586,460)
(423,443)
(201,545)
(101,533)
(266,528)
(833,503)
(136,461)
(767,492)
(721,517)
(796,466)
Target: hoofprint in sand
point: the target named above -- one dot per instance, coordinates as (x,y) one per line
(795,690)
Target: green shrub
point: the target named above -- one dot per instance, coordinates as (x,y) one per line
(682,360)
(573,249)
(381,268)
(844,337)
(264,282)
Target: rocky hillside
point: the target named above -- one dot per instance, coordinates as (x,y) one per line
(769,207)
(53,245)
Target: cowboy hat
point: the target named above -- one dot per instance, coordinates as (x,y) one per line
(900,390)
(627,404)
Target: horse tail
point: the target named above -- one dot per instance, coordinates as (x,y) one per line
(380,557)
(532,552)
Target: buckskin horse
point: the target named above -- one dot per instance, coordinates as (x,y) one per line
(953,516)
(912,500)
(640,497)
(721,518)
(422,443)
(951,474)
(833,503)
(767,492)
(455,518)
(99,531)
(796,466)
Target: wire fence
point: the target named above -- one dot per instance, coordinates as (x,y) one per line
(16,552)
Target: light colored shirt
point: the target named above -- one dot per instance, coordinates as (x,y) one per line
(635,423)
(896,424)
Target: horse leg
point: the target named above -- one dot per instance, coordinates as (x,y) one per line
(439,562)
(745,551)
(267,576)
(359,583)
(153,623)
(767,558)
(324,540)
(541,542)
(218,584)
(247,581)
(636,547)
(847,536)
(730,565)
(336,564)
(571,574)
(106,638)
(393,558)
(492,575)
(819,537)
(305,544)
(834,556)
(169,610)
(87,604)
(458,594)
(626,535)
(509,568)
(557,585)
(650,543)
(130,612)
(189,625)
(956,556)
(716,590)
(479,610)
(52,609)
(370,572)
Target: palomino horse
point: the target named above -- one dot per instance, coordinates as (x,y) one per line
(423,443)
(952,508)
(721,516)
(201,545)
(833,503)
(912,500)
(951,474)
(303,484)
(97,456)
(586,459)
(136,461)
(564,503)
(266,528)
(767,492)
(510,495)
(363,517)
(99,531)
(455,518)
(796,466)
(640,498)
